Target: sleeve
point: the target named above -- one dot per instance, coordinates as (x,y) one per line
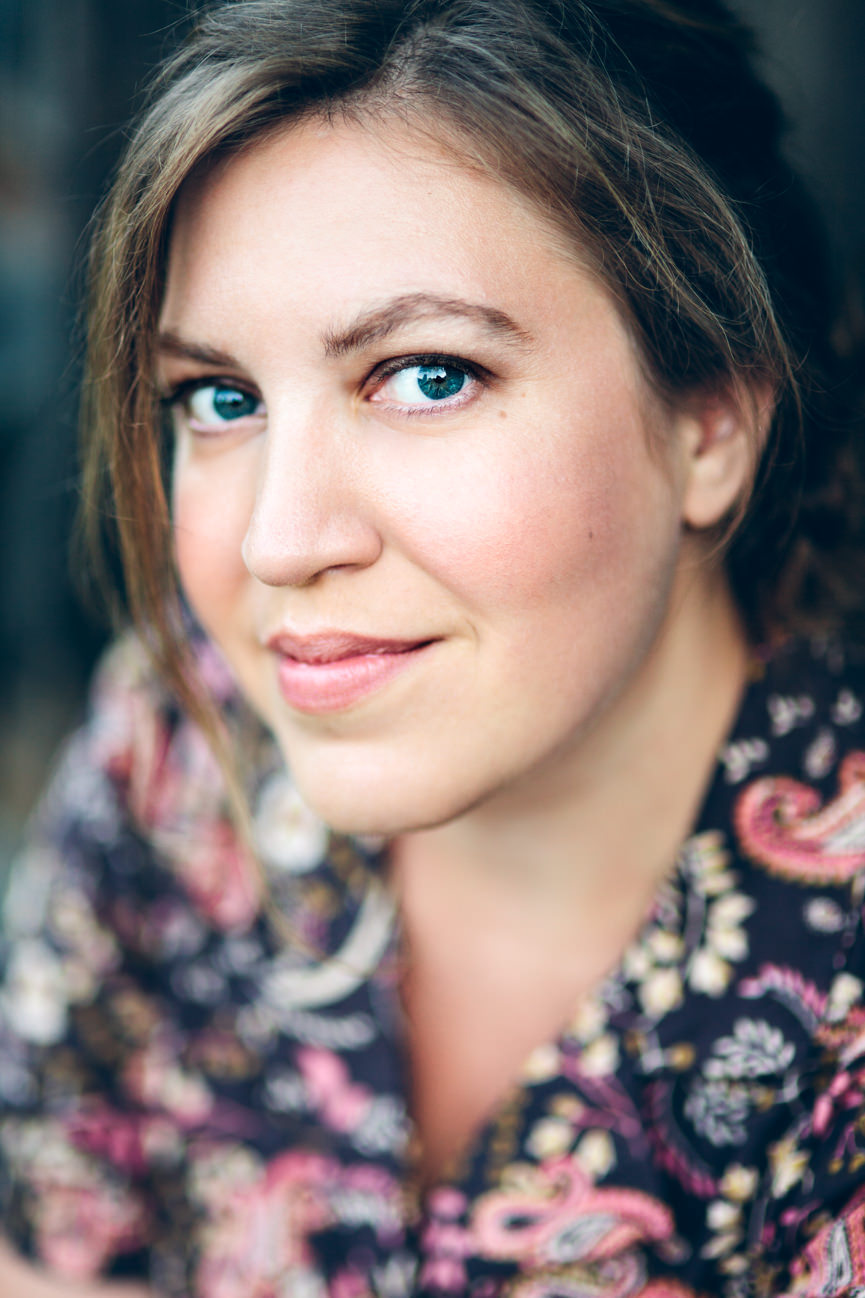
(85,996)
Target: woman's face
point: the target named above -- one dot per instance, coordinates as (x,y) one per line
(414,497)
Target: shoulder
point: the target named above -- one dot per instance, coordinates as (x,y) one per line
(788,807)
(795,766)
(768,909)
(137,736)
(136,809)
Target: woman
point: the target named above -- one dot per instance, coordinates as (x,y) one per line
(488,337)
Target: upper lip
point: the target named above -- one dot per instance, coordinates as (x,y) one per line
(331,646)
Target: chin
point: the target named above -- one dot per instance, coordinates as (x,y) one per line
(376,818)
(382,806)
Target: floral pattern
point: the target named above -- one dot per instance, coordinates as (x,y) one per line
(202,1064)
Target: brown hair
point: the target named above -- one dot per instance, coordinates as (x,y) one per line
(639,126)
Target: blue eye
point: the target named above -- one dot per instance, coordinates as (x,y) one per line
(440,381)
(425,384)
(217,404)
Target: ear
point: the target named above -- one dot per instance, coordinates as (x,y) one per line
(723,433)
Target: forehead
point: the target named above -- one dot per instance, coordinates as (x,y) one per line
(433,164)
(372,204)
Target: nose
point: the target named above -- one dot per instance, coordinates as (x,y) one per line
(313,512)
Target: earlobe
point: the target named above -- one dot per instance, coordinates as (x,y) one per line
(723,436)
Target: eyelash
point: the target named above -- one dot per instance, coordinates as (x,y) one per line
(176,397)
(378,376)
(387,369)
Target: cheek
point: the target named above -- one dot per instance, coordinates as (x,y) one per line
(210,518)
(512,530)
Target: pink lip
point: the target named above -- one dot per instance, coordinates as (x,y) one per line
(332,670)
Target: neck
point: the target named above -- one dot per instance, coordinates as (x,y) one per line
(618,804)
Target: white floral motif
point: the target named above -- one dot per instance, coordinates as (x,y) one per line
(733,1083)
(544,1063)
(35,999)
(824,915)
(597,1153)
(598,1048)
(724,1220)
(666,947)
(383,1128)
(820,755)
(668,958)
(601,1057)
(706,862)
(739,758)
(723,1215)
(287,834)
(740,1183)
(661,991)
(847,709)
(709,973)
(725,939)
(589,1021)
(787,712)
(845,992)
(788,1164)
(719,1110)
(550,1138)
(755,1049)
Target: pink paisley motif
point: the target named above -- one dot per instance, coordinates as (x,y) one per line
(153,1078)
(843,1093)
(173,785)
(255,1242)
(445,1243)
(126,1141)
(667,1289)
(446,1274)
(167,771)
(836,1250)
(668,1154)
(219,876)
(343,1105)
(349,1284)
(83,1214)
(791,987)
(616,1278)
(80,1227)
(782,826)
(561,1216)
(847,1038)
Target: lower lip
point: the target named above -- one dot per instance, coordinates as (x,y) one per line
(334,686)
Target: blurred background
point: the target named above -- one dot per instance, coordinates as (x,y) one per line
(71,73)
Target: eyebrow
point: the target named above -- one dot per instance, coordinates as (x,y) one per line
(373,326)
(368,328)
(171,344)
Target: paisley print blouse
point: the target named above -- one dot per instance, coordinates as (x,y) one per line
(202,1076)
